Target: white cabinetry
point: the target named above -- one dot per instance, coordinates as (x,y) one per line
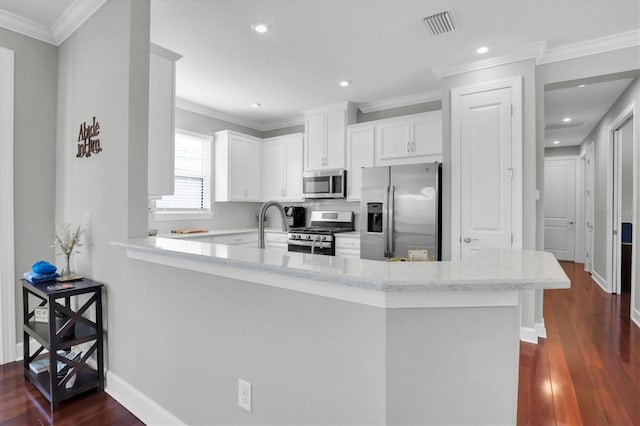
(360,153)
(161,121)
(348,245)
(282,168)
(277,240)
(325,131)
(410,139)
(237,167)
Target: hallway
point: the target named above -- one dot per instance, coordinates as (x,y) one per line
(587,371)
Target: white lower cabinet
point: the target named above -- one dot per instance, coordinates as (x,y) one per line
(282,168)
(240,239)
(275,240)
(348,245)
(238,163)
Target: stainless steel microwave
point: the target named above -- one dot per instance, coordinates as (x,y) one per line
(325,184)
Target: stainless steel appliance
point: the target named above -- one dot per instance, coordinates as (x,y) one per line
(295,216)
(325,184)
(319,237)
(400,211)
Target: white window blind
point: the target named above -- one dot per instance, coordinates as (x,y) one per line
(192,175)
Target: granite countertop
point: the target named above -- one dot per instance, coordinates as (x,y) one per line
(490,269)
(216,232)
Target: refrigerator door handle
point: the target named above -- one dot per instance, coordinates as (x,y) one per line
(390,237)
(386,228)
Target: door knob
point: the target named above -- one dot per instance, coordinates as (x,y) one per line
(468,240)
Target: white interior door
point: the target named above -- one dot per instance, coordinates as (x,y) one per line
(560,208)
(589,208)
(486,171)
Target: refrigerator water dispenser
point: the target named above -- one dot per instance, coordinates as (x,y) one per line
(374,217)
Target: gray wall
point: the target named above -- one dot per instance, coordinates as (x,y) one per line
(310,359)
(34,153)
(626,184)
(399,111)
(564,151)
(106,77)
(206,125)
(601,145)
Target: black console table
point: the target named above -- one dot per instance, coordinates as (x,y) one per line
(75,331)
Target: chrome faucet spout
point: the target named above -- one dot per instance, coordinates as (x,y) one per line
(263,211)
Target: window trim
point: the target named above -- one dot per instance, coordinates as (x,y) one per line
(168,214)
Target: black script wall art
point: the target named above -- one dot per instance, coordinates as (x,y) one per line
(88,142)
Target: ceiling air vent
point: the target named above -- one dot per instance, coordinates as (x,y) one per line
(440,23)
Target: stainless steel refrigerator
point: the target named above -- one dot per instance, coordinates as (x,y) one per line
(400,210)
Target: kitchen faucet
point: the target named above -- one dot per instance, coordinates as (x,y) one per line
(263,211)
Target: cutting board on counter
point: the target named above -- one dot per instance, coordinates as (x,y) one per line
(188,231)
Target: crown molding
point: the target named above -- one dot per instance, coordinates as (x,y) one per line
(214,113)
(529,51)
(418,98)
(27,27)
(281,124)
(591,47)
(72,18)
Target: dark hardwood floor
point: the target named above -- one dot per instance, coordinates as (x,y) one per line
(587,371)
(22,404)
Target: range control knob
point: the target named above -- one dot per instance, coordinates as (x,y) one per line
(308,237)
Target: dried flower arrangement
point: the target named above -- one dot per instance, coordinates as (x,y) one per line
(67,241)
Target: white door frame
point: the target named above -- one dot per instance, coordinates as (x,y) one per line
(515,86)
(7,265)
(589,177)
(613,241)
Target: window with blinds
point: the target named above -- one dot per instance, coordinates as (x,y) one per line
(192,175)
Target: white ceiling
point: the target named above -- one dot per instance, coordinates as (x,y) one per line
(45,12)
(380,45)
(584,105)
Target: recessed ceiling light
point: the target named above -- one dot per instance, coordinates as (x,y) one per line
(255,105)
(556,142)
(566,119)
(260,28)
(582,85)
(482,50)
(344,83)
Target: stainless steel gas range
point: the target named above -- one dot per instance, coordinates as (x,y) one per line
(319,237)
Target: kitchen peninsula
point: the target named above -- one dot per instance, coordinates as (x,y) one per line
(337,340)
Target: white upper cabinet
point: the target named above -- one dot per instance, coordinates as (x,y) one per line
(238,167)
(282,168)
(360,153)
(410,139)
(325,131)
(161,121)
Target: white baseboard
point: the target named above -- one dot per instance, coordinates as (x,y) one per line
(143,407)
(600,281)
(635,316)
(541,330)
(529,335)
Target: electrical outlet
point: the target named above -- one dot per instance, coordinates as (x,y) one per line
(244,395)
